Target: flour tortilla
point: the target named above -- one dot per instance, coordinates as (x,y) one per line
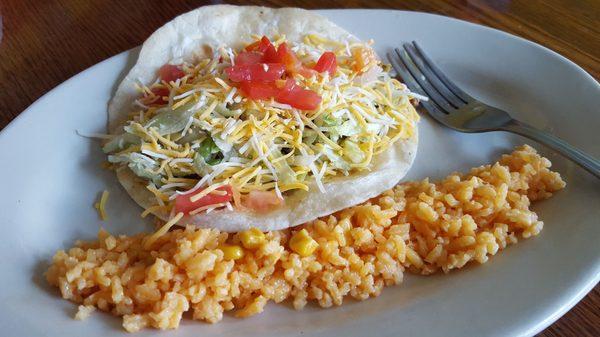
(188,38)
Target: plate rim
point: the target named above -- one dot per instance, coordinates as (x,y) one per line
(535,326)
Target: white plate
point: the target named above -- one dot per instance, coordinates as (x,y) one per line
(51,177)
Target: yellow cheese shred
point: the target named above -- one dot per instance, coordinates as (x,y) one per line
(164,229)
(206,191)
(101,205)
(258,128)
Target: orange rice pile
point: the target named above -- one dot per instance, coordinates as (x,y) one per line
(422,227)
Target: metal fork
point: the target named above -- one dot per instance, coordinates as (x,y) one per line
(457,110)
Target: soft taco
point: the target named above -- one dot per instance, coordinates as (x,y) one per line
(239,117)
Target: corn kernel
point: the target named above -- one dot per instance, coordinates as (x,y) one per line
(252,238)
(302,243)
(232,252)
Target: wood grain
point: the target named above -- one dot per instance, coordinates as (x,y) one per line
(44,42)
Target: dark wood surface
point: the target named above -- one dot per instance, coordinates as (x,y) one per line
(44,42)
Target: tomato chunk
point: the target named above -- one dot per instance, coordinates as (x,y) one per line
(160,92)
(261,51)
(287,57)
(288,86)
(327,63)
(170,72)
(252,46)
(306,72)
(266,72)
(270,55)
(160,96)
(260,46)
(298,97)
(264,44)
(362,57)
(291,62)
(185,205)
(302,99)
(258,90)
(248,58)
(261,64)
(262,201)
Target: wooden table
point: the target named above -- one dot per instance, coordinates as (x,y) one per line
(46,42)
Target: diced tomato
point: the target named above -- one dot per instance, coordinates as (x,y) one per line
(261,51)
(258,90)
(302,99)
(265,47)
(298,97)
(160,92)
(262,201)
(266,72)
(327,62)
(253,46)
(270,55)
(161,95)
(289,86)
(261,65)
(170,72)
(247,58)
(287,57)
(185,205)
(291,62)
(306,72)
(362,56)
(260,46)
(264,44)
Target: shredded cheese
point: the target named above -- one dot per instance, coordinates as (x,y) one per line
(207,207)
(151,209)
(263,144)
(162,230)
(205,192)
(101,205)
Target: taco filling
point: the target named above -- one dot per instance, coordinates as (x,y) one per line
(244,129)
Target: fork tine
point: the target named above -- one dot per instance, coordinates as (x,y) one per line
(433,94)
(434,110)
(456,90)
(431,77)
(408,79)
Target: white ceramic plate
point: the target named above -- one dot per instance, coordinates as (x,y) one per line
(51,177)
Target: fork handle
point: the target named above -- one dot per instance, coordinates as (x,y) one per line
(579,157)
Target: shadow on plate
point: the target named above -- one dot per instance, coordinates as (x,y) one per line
(132,56)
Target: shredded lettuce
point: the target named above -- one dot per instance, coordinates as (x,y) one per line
(309,136)
(303,160)
(348,128)
(121,142)
(224,146)
(327,120)
(195,133)
(140,165)
(337,128)
(353,152)
(374,128)
(258,114)
(209,152)
(284,172)
(227,110)
(200,166)
(169,121)
(336,160)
